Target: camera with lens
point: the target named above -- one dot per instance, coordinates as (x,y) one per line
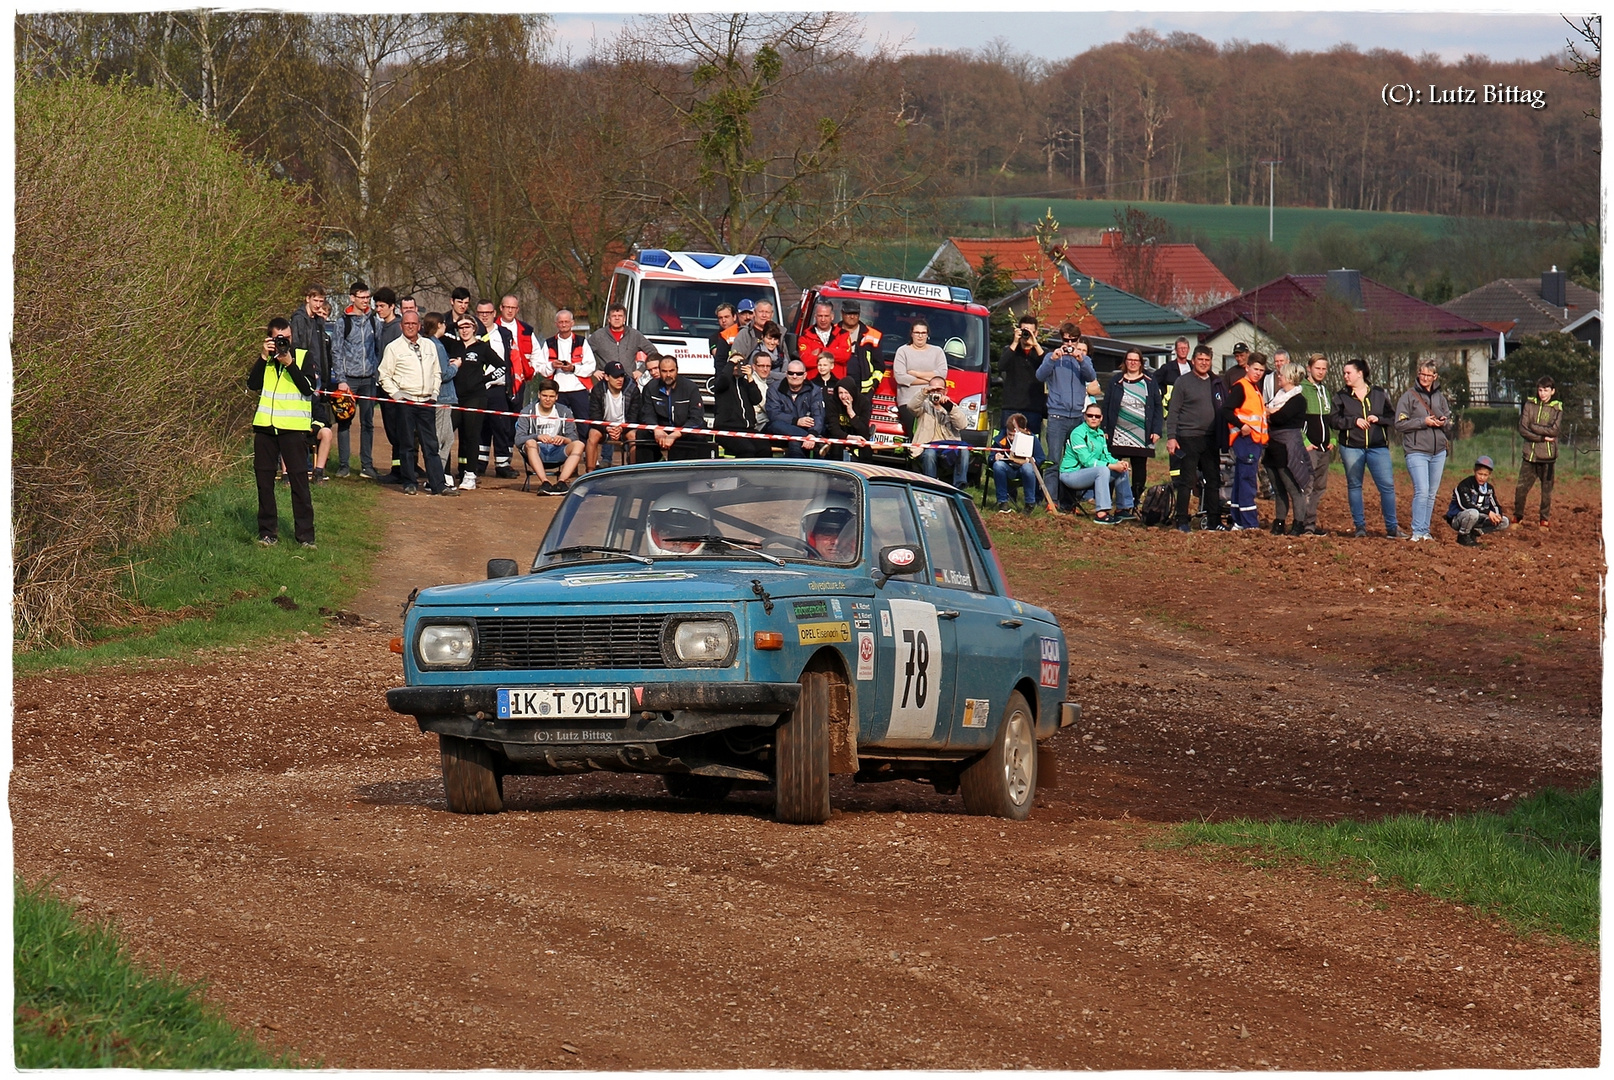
(282,346)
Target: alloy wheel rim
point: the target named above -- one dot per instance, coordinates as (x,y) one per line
(1018,760)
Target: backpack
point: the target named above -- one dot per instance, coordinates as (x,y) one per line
(1155,509)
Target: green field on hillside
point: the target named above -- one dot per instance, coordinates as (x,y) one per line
(1015,216)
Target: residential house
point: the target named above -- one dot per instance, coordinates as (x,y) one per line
(1516,308)
(1180,276)
(1111,319)
(1343,314)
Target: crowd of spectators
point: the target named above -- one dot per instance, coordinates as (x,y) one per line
(479,376)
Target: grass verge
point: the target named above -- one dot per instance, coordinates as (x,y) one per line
(81,1002)
(208,583)
(1535,866)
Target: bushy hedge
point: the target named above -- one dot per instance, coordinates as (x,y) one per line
(1486,419)
(149,253)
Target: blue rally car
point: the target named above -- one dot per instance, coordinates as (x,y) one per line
(758,624)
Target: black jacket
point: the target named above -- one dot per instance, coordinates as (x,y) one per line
(630,400)
(1348,409)
(675,406)
(1021,388)
(1468,496)
(1154,422)
(735,399)
(480,364)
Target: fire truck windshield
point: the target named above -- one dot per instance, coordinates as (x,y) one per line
(894,319)
(689,308)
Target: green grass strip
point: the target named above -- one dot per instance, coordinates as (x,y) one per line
(81,1003)
(208,583)
(1535,867)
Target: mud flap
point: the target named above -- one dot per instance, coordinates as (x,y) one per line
(1047,768)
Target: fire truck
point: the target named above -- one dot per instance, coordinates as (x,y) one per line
(672,299)
(957,324)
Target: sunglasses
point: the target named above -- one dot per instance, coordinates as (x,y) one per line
(1094,416)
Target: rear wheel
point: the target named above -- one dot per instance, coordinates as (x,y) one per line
(801,756)
(471,784)
(698,788)
(1003,781)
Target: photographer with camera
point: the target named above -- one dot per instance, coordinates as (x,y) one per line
(737,404)
(937,432)
(1023,392)
(280,430)
(1072,382)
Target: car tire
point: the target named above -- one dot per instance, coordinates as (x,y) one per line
(1003,781)
(471,784)
(698,788)
(801,756)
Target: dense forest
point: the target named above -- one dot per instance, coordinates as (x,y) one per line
(441,149)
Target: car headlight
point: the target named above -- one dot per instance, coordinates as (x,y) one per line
(445,645)
(707,642)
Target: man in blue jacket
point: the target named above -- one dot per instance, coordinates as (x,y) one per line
(796,407)
(1072,382)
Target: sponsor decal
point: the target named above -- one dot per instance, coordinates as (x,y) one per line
(885,623)
(1050,662)
(827,586)
(823,633)
(976,710)
(809,609)
(865,657)
(901,557)
(863,622)
(918,670)
(835,607)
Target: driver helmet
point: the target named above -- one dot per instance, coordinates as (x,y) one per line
(674,516)
(829,527)
(956,349)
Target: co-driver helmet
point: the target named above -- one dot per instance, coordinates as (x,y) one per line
(677,515)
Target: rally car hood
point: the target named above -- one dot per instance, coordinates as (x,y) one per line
(670,580)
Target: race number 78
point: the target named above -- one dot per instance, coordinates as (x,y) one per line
(917,671)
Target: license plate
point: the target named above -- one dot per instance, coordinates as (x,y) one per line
(565,703)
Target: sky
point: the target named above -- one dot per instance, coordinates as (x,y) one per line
(1055,35)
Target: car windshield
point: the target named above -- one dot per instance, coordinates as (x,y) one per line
(690,307)
(791,512)
(961,334)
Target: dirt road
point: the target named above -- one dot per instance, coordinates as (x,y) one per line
(259,819)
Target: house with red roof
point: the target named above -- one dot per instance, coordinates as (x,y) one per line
(1343,314)
(1057,292)
(1179,276)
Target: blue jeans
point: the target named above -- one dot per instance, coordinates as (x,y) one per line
(1099,478)
(1059,429)
(1377,461)
(1246,468)
(1425,470)
(930,457)
(1002,467)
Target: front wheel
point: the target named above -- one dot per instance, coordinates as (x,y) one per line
(470,782)
(1003,781)
(801,756)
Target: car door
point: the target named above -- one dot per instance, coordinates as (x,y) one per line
(990,640)
(915,647)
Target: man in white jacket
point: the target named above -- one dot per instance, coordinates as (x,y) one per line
(410,375)
(568,360)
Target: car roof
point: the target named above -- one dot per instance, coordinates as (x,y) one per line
(858,468)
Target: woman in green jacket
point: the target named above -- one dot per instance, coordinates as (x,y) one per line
(1088,463)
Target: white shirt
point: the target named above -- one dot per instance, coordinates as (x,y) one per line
(495,338)
(616,405)
(567,381)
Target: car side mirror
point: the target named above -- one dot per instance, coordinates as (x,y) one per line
(901,559)
(498,568)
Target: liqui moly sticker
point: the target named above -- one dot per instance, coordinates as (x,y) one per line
(1050,661)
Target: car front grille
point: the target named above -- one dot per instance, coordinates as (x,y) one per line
(571,642)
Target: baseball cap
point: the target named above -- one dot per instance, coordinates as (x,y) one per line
(615,370)
(1240,348)
(1484,462)
(746,305)
(850,305)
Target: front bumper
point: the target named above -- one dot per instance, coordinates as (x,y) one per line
(662,712)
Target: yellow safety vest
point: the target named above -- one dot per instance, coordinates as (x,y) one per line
(281,405)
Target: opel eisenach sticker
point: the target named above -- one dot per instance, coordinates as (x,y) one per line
(823,633)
